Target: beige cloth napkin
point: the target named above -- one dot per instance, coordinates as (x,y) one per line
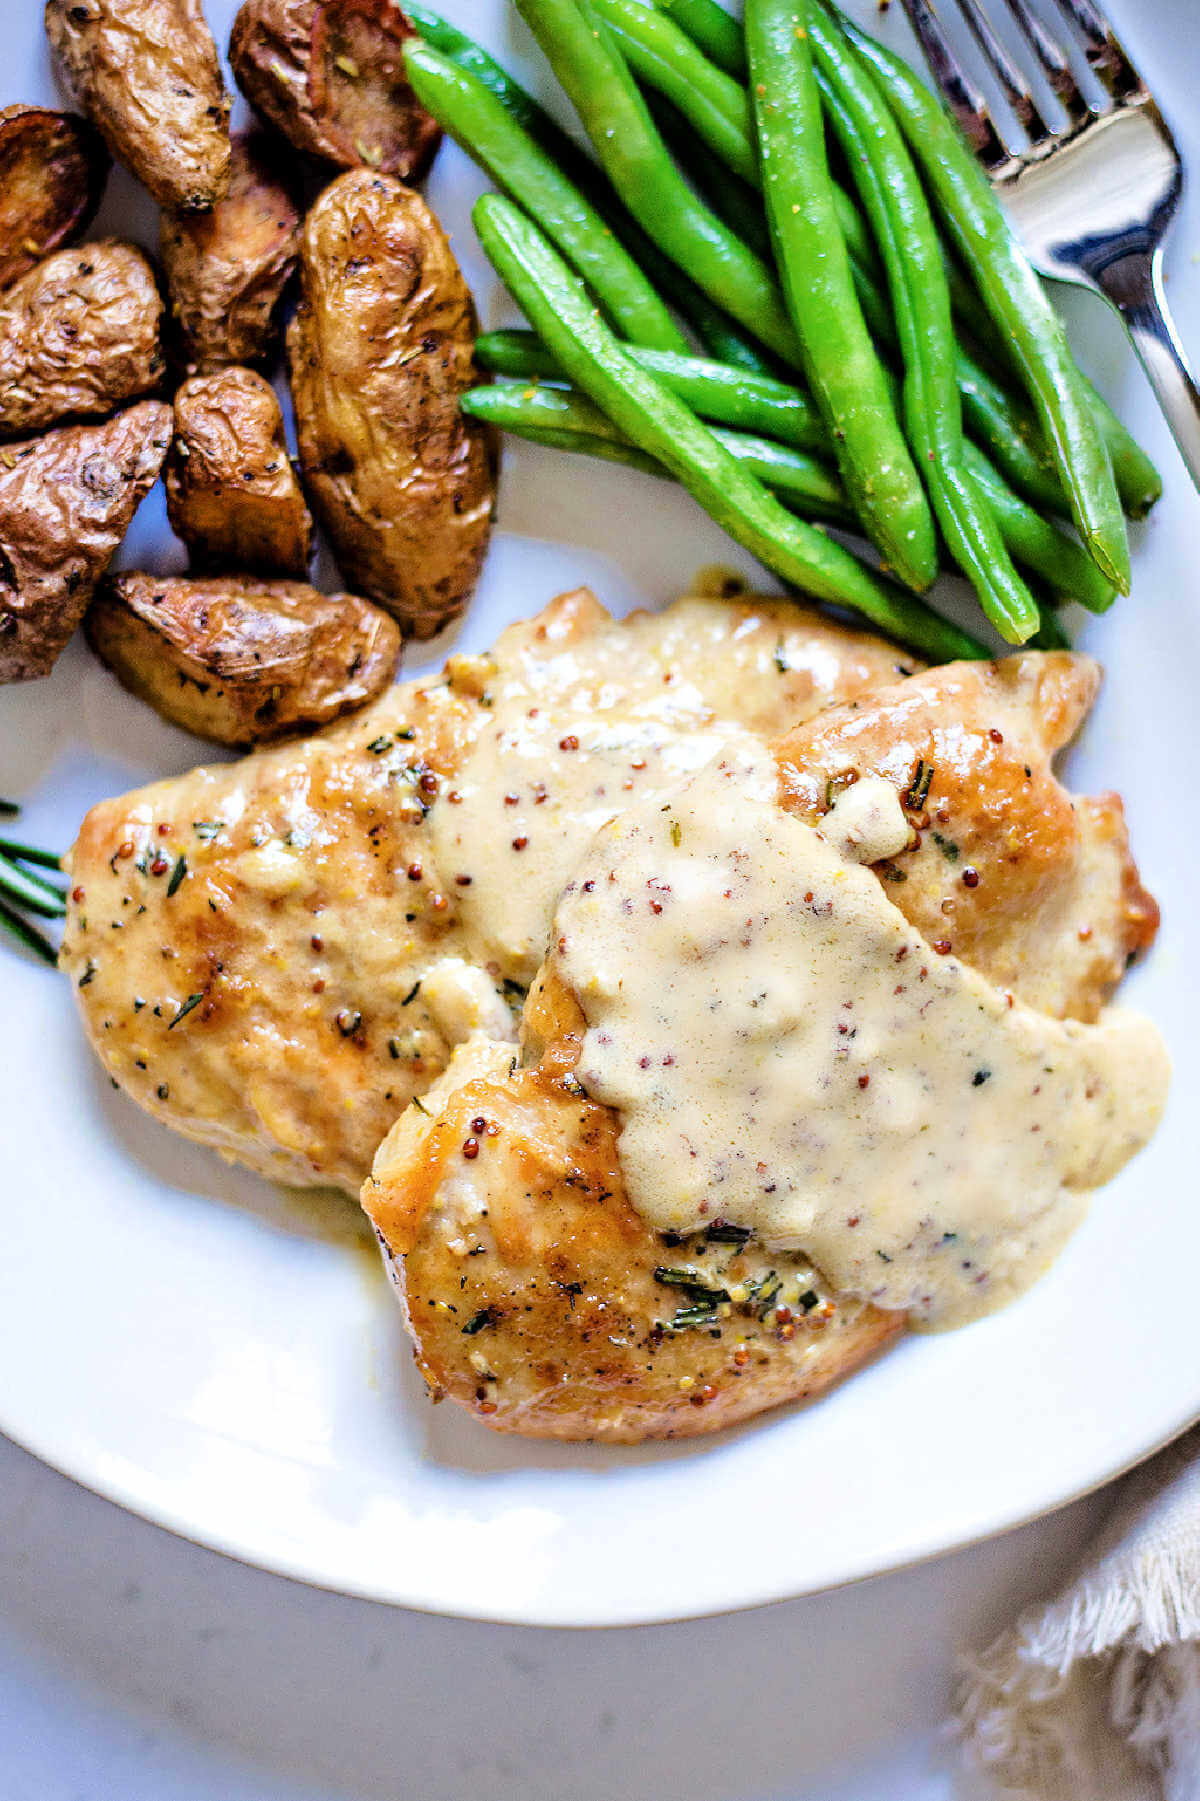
(1095,1695)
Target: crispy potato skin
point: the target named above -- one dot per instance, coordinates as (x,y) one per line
(379,352)
(232,494)
(53,167)
(66,500)
(241,661)
(146,73)
(329,74)
(79,337)
(227,269)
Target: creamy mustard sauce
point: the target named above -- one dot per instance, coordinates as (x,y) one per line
(616,719)
(789,1054)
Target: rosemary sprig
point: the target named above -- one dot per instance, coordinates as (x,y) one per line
(27,935)
(30,892)
(29,853)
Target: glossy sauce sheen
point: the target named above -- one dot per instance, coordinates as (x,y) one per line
(789,1054)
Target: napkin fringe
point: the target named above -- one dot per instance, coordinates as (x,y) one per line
(1156,1603)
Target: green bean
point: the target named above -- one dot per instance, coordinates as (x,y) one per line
(558,308)
(890,190)
(739,205)
(582,54)
(1138,481)
(1050,634)
(466,54)
(1017,304)
(721,119)
(724,396)
(488,132)
(27,935)
(720,336)
(1009,432)
(1039,545)
(753,403)
(843,369)
(801,479)
(710,26)
(664,58)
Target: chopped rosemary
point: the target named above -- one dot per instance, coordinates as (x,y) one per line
(781,662)
(207,828)
(761,1296)
(695,1287)
(193,1000)
(377,746)
(698,1314)
(177,875)
(485,1317)
(721,1232)
(918,787)
(947,847)
(420,1106)
(89,975)
(412,994)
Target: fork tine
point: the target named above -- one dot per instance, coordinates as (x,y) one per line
(1053,60)
(1016,89)
(961,95)
(1107,59)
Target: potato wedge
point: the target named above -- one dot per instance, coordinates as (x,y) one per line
(53,167)
(232,494)
(226,269)
(79,337)
(379,352)
(241,661)
(329,74)
(146,73)
(66,500)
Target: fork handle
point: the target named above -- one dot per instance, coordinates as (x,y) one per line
(1135,287)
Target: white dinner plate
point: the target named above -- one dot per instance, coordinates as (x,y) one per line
(226,1359)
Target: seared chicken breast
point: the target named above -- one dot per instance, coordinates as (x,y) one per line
(537,1297)
(274,956)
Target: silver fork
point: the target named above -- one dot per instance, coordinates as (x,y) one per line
(1092,198)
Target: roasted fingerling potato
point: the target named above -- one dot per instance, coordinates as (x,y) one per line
(232,494)
(226,269)
(146,73)
(53,167)
(241,661)
(66,500)
(329,74)
(379,351)
(79,336)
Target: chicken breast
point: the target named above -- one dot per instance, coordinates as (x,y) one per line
(275,956)
(536,1296)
